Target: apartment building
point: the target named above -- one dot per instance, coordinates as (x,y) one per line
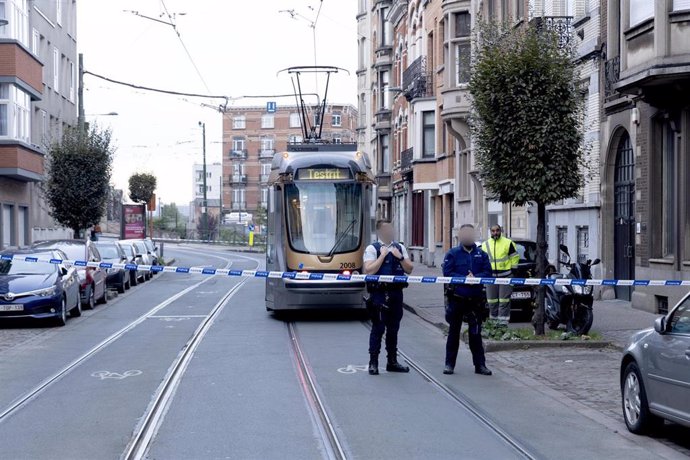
(252,135)
(645,146)
(214,185)
(38,93)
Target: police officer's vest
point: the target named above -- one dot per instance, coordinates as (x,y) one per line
(391,266)
(499,255)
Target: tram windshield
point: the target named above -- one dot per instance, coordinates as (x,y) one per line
(324,218)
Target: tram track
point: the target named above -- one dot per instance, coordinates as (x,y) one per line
(47,383)
(333,447)
(155,414)
(466,404)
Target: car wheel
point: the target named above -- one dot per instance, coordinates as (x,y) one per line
(90,298)
(61,318)
(133,280)
(128,281)
(638,418)
(75,312)
(104,298)
(122,287)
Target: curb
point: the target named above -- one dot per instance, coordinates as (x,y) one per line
(500,345)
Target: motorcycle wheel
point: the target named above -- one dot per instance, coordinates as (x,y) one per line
(581,321)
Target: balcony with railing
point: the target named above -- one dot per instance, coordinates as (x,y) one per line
(383,119)
(417,80)
(238,154)
(266,154)
(238,179)
(406,158)
(562,26)
(612,73)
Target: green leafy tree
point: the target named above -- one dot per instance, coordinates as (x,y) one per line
(79,168)
(208,227)
(141,187)
(527,124)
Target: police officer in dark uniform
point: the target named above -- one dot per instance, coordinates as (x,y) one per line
(385,302)
(466,301)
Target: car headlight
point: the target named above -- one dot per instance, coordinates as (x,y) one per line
(564,289)
(47,292)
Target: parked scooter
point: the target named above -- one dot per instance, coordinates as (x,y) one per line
(572,304)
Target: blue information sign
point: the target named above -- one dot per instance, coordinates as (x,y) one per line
(271,107)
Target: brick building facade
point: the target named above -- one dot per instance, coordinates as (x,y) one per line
(251,136)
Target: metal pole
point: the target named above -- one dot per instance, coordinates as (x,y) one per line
(205,210)
(80,95)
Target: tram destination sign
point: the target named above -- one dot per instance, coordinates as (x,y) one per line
(323,174)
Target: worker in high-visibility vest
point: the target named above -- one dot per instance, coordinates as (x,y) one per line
(504,259)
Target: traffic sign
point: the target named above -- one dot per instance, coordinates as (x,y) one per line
(250,227)
(271,107)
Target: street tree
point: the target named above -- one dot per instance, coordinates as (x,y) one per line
(79,168)
(527,124)
(210,228)
(141,187)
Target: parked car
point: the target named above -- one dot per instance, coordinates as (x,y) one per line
(116,278)
(142,251)
(38,289)
(135,276)
(655,373)
(91,279)
(153,251)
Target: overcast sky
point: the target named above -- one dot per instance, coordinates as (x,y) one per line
(238,47)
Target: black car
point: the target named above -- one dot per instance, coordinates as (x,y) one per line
(116,278)
(38,289)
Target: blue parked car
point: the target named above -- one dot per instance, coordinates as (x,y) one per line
(37,289)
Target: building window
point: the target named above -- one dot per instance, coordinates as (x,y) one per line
(72,80)
(385,27)
(384,84)
(562,236)
(640,10)
(462,63)
(428,134)
(16,12)
(56,70)
(463,25)
(681,5)
(267,121)
(668,196)
(384,158)
(317,119)
(239,122)
(294,139)
(295,120)
(35,42)
(238,144)
(58,12)
(15,115)
(22,226)
(519,9)
(264,197)
(336,119)
(337,140)
(267,143)
(582,243)
(44,127)
(265,169)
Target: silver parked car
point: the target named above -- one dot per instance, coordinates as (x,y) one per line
(655,373)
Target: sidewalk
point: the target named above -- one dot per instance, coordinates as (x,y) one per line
(615,320)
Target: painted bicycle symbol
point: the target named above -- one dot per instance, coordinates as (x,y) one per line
(353,368)
(115,375)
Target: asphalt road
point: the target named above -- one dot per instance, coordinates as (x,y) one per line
(129,372)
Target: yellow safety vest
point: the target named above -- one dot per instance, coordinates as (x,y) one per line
(502,262)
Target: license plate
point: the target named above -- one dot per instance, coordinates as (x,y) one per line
(11,307)
(521,295)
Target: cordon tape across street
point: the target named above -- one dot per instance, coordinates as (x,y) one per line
(313,276)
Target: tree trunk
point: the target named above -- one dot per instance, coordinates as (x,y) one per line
(538,319)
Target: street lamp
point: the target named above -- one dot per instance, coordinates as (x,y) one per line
(204,206)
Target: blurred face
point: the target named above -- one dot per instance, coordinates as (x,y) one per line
(495,232)
(467,236)
(385,232)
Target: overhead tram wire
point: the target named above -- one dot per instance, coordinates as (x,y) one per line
(179,36)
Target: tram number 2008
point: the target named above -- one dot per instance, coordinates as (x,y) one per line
(347,265)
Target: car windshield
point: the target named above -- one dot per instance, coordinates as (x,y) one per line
(71,250)
(141,247)
(128,249)
(323,217)
(21,267)
(108,251)
(527,251)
